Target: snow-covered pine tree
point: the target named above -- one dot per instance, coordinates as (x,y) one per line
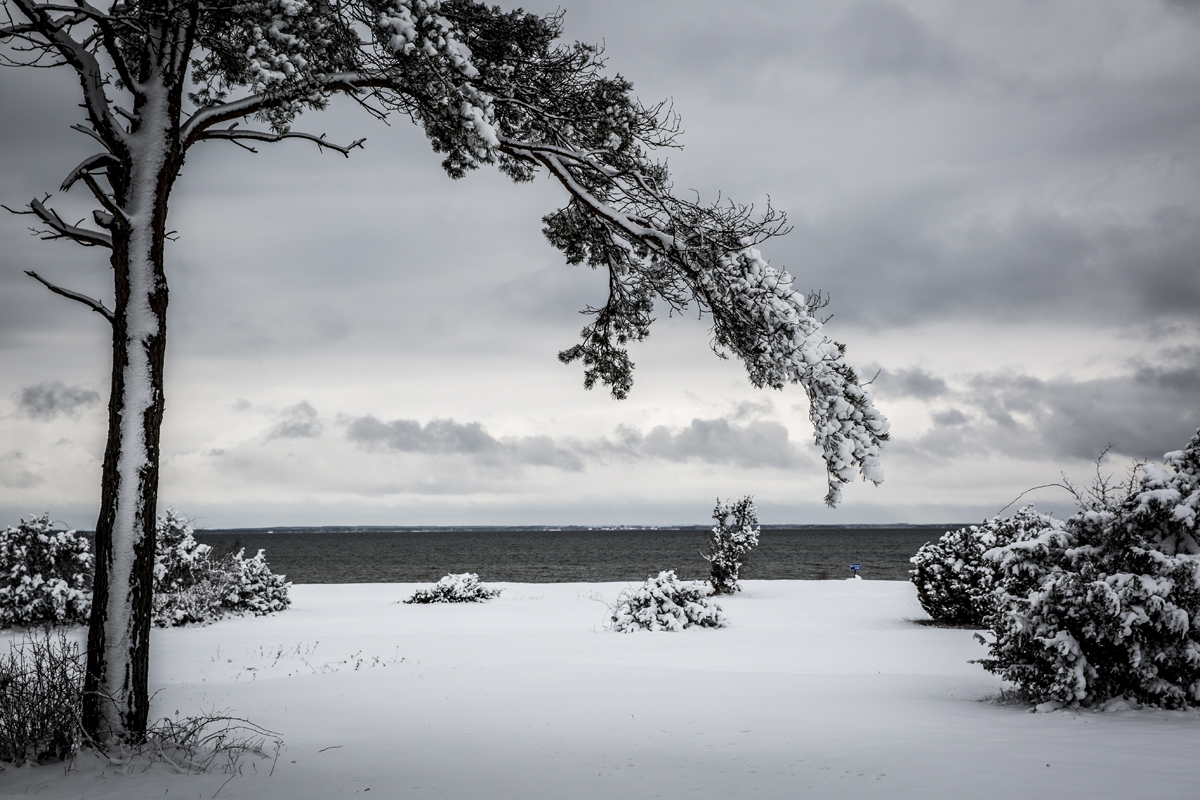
(733,536)
(159,77)
(1109,605)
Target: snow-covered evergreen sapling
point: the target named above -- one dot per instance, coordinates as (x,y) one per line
(45,574)
(251,587)
(955,581)
(1109,606)
(732,538)
(665,603)
(461,588)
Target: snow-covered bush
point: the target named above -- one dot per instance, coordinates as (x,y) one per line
(954,581)
(665,603)
(463,588)
(184,586)
(41,690)
(734,535)
(190,585)
(251,587)
(45,574)
(1108,607)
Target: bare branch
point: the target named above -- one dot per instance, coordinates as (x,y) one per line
(236,136)
(94,305)
(1065,485)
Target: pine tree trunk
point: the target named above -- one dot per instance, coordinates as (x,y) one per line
(116,700)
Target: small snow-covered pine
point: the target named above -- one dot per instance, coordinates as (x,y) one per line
(731,539)
(45,574)
(665,603)
(461,588)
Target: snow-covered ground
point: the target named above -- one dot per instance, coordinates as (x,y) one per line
(821,689)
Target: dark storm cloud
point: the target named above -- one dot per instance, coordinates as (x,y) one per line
(757,443)
(49,399)
(1143,413)
(297,422)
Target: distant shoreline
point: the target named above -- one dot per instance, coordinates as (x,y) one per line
(327,529)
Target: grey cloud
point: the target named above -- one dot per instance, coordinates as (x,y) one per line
(949,417)
(49,399)
(438,436)
(758,443)
(901,268)
(1190,6)
(13,472)
(914,382)
(716,441)
(884,39)
(1149,410)
(447,437)
(297,422)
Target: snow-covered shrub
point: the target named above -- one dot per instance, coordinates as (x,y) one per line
(734,535)
(463,588)
(190,585)
(41,691)
(665,603)
(45,574)
(251,587)
(184,586)
(954,581)
(1109,607)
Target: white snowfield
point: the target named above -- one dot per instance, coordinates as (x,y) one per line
(819,689)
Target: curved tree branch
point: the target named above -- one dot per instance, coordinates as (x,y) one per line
(94,305)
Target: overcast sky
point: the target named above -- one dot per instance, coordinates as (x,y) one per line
(1002,200)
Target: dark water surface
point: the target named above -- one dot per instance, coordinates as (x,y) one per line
(546,556)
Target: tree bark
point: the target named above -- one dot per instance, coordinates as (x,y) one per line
(116,701)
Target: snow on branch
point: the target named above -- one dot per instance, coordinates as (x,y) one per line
(237,136)
(94,305)
(59,229)
(46,34)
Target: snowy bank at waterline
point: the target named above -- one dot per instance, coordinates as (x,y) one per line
(821,689)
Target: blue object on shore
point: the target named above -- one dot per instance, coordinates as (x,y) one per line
(856,567)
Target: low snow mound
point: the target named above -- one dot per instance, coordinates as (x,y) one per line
(665,603)
(464,588)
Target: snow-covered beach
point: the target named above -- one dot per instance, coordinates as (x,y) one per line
(820,689)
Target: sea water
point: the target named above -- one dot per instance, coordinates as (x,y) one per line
(574,555)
